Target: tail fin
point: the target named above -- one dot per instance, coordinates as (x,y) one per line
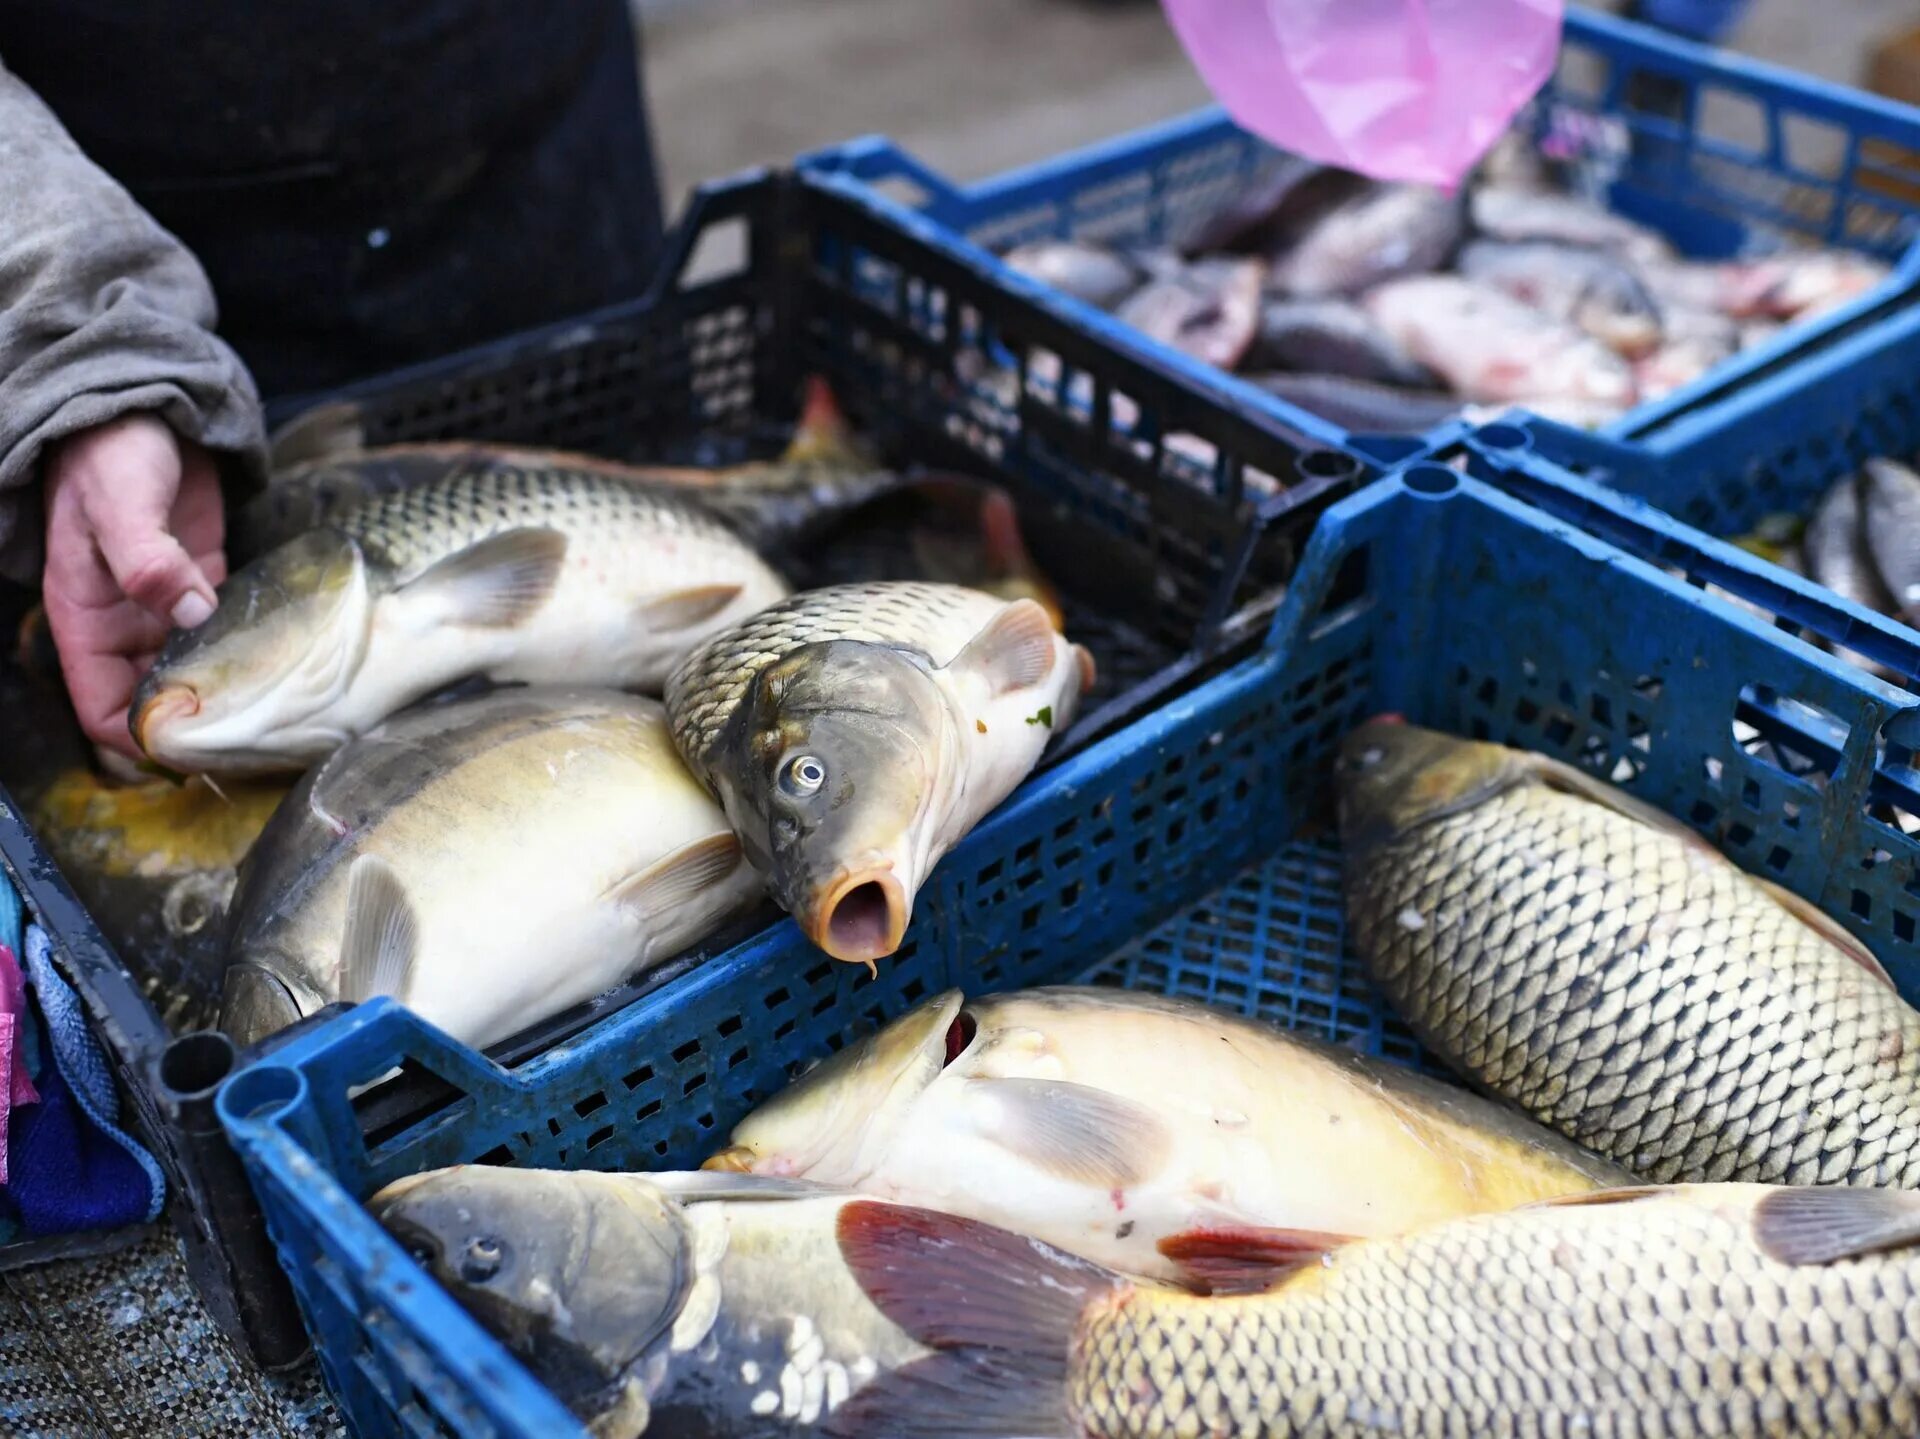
(823,432)
(998,1308)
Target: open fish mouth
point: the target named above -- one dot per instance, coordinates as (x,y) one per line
(862,916)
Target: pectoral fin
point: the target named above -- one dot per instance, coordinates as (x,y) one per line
(1014,652)
(1072,1131)
(382,933)
(498,582)
(683,609)
(1821,1226)
(1245,1258)
(679,877)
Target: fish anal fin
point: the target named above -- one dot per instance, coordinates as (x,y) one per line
(683,609)
(497,582)
(1827,927)
(1014,652)
(1072,1131)
(1245,1258)
(1823,1225)
(678,877)
(382,934)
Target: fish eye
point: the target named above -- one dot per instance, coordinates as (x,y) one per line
(1365,760)
(482,1259)
(802,776)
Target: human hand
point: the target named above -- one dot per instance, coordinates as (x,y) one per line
(134,547)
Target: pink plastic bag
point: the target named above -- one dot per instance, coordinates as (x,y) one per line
(1395,89)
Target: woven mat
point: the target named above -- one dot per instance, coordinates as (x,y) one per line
(118,1347)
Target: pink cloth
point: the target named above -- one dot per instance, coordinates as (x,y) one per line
(19,1088)
(1395,89)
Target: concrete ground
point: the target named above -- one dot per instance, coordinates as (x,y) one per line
(975,86)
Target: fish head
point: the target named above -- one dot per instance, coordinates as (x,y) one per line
(1617,309)
(1392,776)
(580,1275)
(837,1120)
(848,744)
(260,997)
(248,690)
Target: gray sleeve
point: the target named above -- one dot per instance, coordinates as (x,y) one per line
(102,313)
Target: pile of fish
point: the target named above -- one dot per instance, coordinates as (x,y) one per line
(1862,540)
(491,859)
(1076,1212)
(1090,1212)
(1392,307)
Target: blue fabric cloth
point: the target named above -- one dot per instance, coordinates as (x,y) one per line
(70,1165)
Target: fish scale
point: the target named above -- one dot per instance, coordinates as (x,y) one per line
(412,528)
(703,692)
(1652,1006)
(1660,1317)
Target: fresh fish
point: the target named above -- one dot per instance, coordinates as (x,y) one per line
(1580,953)
(1589,289)
(1269,211)
(1362,406)
(1838,555)
(688,1306)
(1209,309)
(1491,348)
(854,734)
(1659,1313)
(1383,232)
(824,474)
(1519,215)
(1801,283)
(488,862)
(532,574)
(1332,337)
(1711,286)
(1118,1125)
(1890,515)
(1093,273)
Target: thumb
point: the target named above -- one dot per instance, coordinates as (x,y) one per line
(131,479)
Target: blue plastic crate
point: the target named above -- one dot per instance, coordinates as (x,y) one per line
(1190,853)
(1167,527)
(1757,153)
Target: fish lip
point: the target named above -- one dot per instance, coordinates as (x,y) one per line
(848,944)
(169,700)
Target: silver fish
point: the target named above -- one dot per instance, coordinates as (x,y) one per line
(509,572)
(1208,309)
(1890,514)
(854,734)
(1586,288)
(677,1305)
(1514,215)
(1092,273)
(1386,231)
(1362,406)
(488,862)
(1332,337)
(1491,348)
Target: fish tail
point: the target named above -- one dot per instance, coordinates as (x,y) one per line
(822,431)
(998,1309)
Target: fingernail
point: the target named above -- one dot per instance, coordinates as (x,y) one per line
(192,610)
